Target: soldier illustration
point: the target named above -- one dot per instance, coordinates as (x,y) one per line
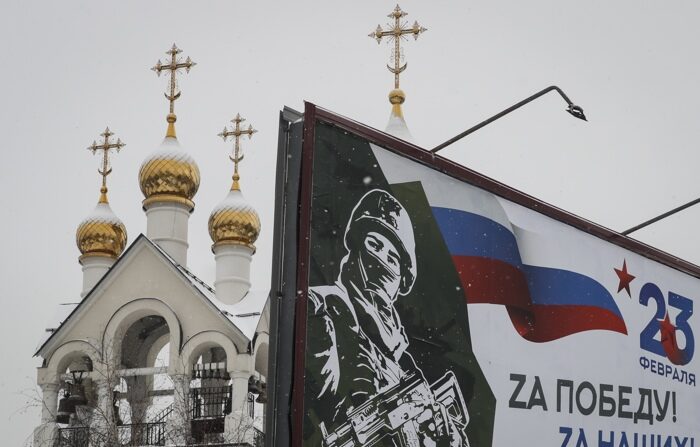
(365,378)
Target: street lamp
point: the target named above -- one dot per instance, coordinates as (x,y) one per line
(573,109)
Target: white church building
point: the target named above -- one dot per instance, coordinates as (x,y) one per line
(151,355)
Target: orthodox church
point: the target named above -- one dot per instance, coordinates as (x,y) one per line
(152,355)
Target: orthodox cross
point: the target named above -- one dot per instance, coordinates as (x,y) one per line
(396,32)
(173,66)
(106,169)
(237,156)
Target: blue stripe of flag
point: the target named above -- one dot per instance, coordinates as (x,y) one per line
(469,234)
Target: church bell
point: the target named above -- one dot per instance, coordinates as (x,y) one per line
(262,396)
(253,385)
(65,408)
(77,396)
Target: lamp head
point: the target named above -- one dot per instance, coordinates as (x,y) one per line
(576,112)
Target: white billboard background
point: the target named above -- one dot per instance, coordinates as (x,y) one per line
(594,356)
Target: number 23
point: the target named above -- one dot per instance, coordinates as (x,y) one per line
(651,291)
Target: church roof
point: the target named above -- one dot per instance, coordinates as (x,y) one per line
(243,316)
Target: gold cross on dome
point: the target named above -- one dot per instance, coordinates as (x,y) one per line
(396,32)
(237,156)
(105,169)
(174,67)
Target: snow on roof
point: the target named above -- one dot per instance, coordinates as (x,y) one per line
(244,315)
(102,213)
(60,314)
(169,149)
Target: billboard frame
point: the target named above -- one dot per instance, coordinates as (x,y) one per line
(313,115)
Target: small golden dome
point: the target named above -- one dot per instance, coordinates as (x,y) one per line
(169,175)
(397,96)
(397,124)
(234,222)
(101,233)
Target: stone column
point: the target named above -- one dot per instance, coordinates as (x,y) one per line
(45,434)
(49,402)
(137,396)
(177,427)
(103,429)
(263,417)
(238,425)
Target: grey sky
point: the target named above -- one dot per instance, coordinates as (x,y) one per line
(70,68)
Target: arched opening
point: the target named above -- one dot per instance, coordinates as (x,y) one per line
(75,398)
(210,393)
(144,394)
(74,389)
(140,339)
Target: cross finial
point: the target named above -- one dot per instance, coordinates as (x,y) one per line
(174,66)
(396,32)
(237,156)
(105,169)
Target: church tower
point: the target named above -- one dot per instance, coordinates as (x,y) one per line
(169,177)
(234,227)
(394,32)
(101,236)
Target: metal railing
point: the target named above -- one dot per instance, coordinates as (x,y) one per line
(163,415)
(258,438)
(210,402)
(147,433)
(73,437)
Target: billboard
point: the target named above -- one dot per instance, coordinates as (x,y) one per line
(437,307)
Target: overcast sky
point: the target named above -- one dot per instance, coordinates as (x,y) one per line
(71,68)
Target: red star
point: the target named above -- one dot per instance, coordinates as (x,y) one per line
(669,343)
(625,279)
(668,331)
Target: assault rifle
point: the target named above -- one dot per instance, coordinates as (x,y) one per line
(408,413)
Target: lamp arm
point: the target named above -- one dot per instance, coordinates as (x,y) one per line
(661,216)
(573,109)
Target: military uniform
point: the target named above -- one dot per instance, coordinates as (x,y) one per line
(353,360)
(356,345)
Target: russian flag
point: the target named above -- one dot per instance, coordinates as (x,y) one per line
(543,303)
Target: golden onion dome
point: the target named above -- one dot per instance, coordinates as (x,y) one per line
(101,233)
(169,174)
(234,222)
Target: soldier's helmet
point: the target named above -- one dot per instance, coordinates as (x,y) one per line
(380,212)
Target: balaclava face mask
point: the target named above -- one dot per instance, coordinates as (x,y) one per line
(373,285)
